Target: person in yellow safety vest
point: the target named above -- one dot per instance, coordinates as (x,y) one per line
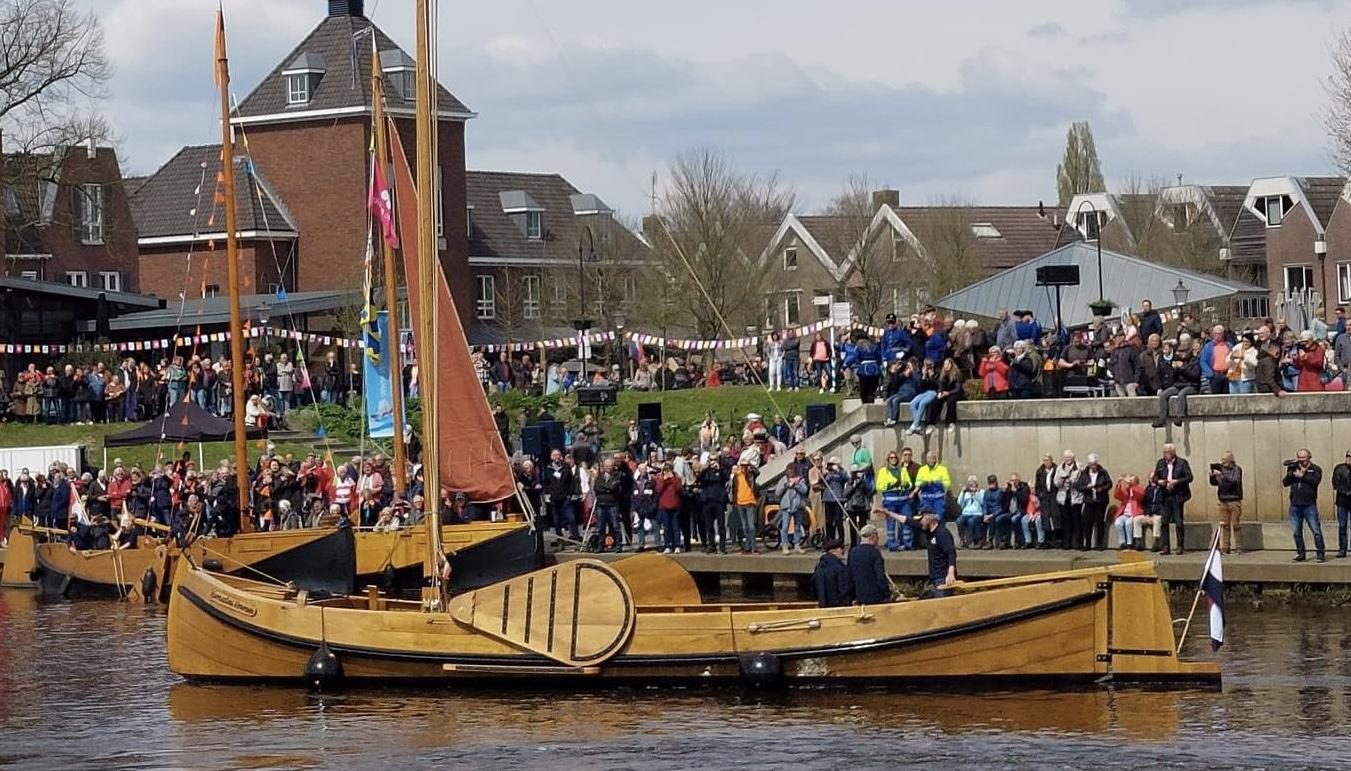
(933,482)
(896,482)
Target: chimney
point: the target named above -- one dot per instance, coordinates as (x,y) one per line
(346,7)
(91,150)
(888,196)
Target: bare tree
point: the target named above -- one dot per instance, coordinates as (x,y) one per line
(1180,234)
(875,270)
(1337,115)
(949,248)
(52,68)
(708,225)
(510,295)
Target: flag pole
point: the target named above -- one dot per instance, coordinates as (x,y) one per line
(1200,590)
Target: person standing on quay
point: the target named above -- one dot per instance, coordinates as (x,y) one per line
(1175,477)
(1069,501)
(1303,476)
(1341,485)
(1227,477)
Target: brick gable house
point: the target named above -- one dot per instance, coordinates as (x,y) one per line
(302,136)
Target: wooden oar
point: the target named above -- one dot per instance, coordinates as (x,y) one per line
(151,525)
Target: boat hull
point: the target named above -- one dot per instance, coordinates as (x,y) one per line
(480,553)
(20,564)
(315,560)
(1058,629)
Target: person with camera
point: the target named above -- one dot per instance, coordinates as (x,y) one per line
(1303,476)
(1174,475)
(1095,483)
(1227,478)
(1182,377)
(1309,361)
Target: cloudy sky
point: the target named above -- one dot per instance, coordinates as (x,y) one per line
(968,99)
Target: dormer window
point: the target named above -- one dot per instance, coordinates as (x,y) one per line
(525,212)
(302,76)
(1274,208)
(790,258)
(1091,223)
(534,225)
(985,230)
(400,70)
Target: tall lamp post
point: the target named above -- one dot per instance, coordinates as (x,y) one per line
(1101,307)
(1180,293)
(582,323)
(265,315)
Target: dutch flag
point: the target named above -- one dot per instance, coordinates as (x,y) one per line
(1212,583)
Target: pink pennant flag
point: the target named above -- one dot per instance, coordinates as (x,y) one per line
(381,206)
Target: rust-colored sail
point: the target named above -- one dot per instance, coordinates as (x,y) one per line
(473,460)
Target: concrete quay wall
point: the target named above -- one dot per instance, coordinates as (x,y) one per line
(1003,437)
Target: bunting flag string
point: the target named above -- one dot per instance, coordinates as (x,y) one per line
(253,332)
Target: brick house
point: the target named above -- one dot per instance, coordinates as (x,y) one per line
(525,231)
(303,134)
(874,260)
(1294,214)
(66,218)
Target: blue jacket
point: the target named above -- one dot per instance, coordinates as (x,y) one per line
(994,502)
(1207,351)
(896,343)
(1027,330)
(869,575)
(936,346)
(61,500)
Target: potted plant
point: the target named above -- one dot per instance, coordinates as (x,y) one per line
(1102,308)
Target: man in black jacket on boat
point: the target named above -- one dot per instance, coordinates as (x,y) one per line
(834,587)
(868,570)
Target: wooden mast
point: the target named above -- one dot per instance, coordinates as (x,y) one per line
(227,159)
(433,594)
(391,279)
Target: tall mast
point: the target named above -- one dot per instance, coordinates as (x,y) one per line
(391,280)
(429,272)
(227,162)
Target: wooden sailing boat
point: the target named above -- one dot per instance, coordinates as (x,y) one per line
(642,619)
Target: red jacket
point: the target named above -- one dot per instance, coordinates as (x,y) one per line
(668,492)
(118,490)
(1310,366)
(994,375)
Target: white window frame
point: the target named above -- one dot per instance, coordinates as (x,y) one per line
(1343,283)
(485,303)
(559,307)
(213,290)
(1094,231)
(896,300)
(534,225)
(440,207)
(787,265)
(532,300)
(630,285)
(1280,208)
(110,280)
(31,275)
(298,88)
(1307,271)
(792,306)
(985,231)
(77,278)
(89,218)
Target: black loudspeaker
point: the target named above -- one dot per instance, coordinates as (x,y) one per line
(1058,275)
(535,441)
(553,435)
(597,396)
(819,416)
(649,432)
(649,411)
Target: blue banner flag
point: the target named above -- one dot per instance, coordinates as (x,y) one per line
(379,386)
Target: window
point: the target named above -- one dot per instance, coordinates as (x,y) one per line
(486,305)
(404,83)
(822,311)
(1274,206)
(531,305)
(110,280)
(89,213)
(792,309)
(985,230)
(898,247)
(1091,223)
(469,220)
(1179,216)
(440,216)
(77,278)
(560,299)
(212,290)
(534,225)
(298,88)
(1252,307)
(1343,283)
(897,301)
(790,258)
(31,275)
(11,202)
(1298,278)
(630,288)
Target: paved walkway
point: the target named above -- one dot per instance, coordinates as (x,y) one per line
(1258,567)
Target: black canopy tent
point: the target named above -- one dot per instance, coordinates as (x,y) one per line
(186,422)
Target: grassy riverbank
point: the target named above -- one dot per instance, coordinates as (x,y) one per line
(29,435)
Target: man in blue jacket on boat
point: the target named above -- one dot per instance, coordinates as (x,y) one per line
(868,570)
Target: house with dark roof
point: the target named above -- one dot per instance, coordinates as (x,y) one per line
(875,260)
(1335,260)
(1294,214)
(302,135)
(537,245)
(66,218)
(181,229)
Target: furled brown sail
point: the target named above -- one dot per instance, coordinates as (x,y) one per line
(473,460)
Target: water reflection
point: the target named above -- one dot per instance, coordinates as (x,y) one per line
(100,667)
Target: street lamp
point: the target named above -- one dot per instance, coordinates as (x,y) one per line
(621,347)
(264,314)
(1180,293)
(1101,304)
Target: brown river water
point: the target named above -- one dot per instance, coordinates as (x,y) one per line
(84,685)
